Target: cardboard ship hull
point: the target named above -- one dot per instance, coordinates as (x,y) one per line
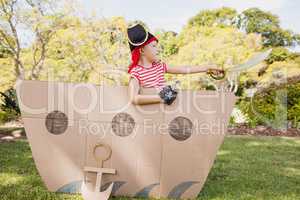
(157,150)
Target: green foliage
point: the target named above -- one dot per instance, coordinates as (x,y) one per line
(4,52)
(246,107)
(218,17)
(294,115)
(168,42)
(10,105)
(296,38)
(279,72)
(276,37)
(278,54)
(84,51)
(224,47)
(273,105)
(293,103)
(254,20)
(3,117)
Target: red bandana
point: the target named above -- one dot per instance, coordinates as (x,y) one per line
(136,53)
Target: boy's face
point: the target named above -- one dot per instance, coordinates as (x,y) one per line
(151,51)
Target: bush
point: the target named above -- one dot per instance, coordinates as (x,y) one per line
(10,106)
(271,107)
(3,117)
(279,54)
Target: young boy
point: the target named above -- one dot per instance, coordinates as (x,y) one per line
(147,70)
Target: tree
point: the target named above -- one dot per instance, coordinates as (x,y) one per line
(41,18)
(168,43)
(219,17)
(278,54)
(10,104)
(89,50)
(254,20)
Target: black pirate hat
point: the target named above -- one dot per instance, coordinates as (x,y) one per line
(138,36)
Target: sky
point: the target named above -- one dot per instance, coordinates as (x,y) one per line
(172,15)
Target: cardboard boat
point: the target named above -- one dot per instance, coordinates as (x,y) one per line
(156,150)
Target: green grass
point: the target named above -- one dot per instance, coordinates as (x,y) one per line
(246,168)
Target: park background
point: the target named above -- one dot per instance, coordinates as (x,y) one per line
(77,41)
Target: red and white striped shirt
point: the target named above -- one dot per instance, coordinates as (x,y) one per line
(150,77)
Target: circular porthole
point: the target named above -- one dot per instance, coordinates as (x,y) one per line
(180,128)
(56,122)
(122,124)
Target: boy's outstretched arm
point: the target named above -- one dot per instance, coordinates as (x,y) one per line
(139,99)
(190,69)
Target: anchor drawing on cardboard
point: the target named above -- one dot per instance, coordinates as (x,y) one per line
(91,139)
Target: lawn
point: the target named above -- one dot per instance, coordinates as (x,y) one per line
(259,168)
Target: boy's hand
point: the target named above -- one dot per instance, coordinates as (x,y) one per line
(168,95)
(216,72)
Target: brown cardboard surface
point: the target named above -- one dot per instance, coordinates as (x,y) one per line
(58,158)
(93,193)
(79,99)
(38,98)
(194,156)
(187,162)
(114,100)
(135,157)
(150,156)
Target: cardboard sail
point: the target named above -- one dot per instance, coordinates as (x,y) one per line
(157,150)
